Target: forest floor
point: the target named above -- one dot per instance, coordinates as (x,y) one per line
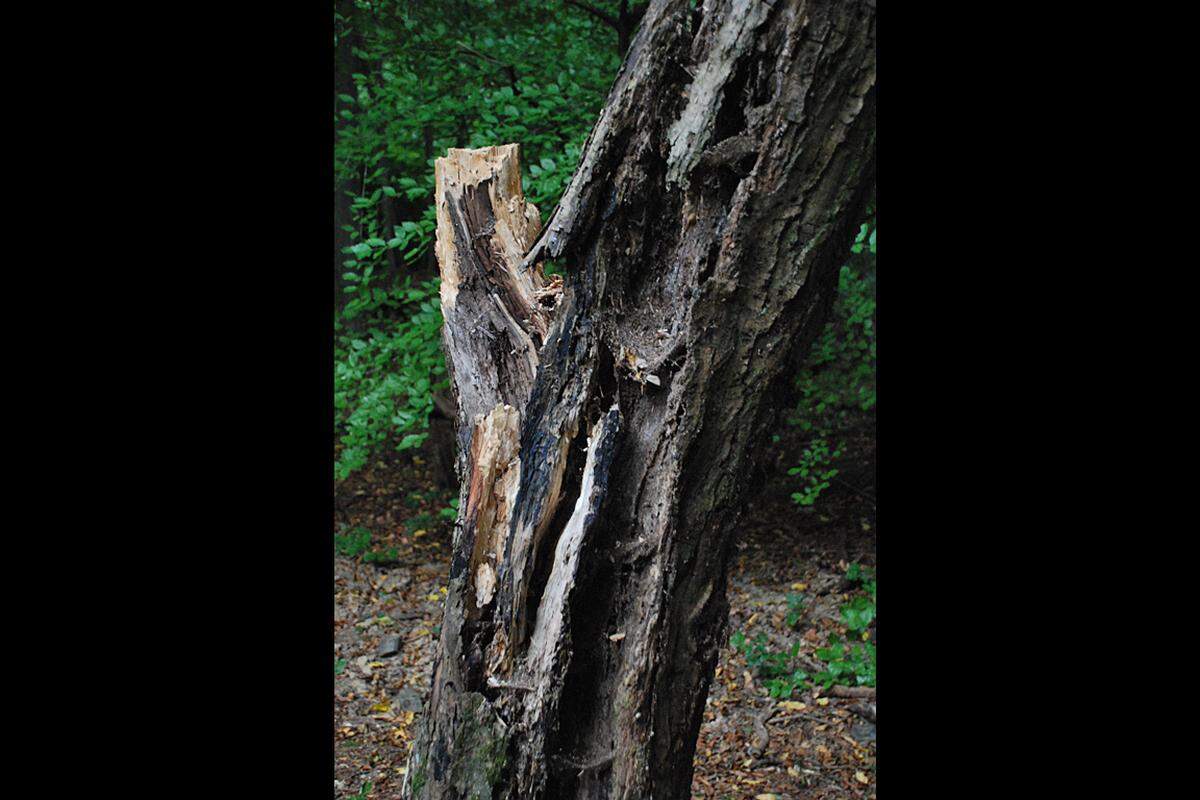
(811,745)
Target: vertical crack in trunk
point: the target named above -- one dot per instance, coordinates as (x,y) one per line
(702,231)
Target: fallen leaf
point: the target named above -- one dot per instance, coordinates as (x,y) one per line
(861,777)
(822,701)
(766,797)
(799,587)
(792,705)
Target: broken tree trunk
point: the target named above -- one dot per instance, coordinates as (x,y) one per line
(607,425)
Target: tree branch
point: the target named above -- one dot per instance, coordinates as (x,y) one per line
(596,12)
(509,68)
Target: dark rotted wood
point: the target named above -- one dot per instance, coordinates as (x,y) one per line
(607,431)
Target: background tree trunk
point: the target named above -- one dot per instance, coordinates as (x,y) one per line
(606,427)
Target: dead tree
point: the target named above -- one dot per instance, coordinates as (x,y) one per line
(607,423)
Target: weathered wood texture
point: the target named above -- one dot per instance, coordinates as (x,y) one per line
(607,429)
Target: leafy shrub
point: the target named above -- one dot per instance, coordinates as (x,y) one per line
(858,614)
(777,666)
(814,471)
(839,374)
(357,542)
(838,379)
(382,557)
(384,380)
(432,81)
(852,663)
(845,663)
(353,543)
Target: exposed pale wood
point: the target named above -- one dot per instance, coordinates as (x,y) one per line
(495,312)
(607,427)
(495,470)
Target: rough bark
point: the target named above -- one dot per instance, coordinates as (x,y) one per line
(607,427)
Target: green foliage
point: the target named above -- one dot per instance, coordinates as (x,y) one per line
(352,544)
(845,662)
(362,792)
(419,522)
(783,687)
(339,666)
(850,663)
(777,666)
(450,512)
(858,614)
(384,379)
(814,471)
(795,608)
(838,379)
(382,557)
(429,81)
(839,374)
(357,542)
(481,77)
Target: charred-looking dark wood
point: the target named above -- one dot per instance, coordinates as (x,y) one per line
(607,426)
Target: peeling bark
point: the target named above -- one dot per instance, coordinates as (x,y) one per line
(606,428)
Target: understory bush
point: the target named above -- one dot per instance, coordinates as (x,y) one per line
(425,81)
(384,378)
(845,662)
(837,383)
(429,81)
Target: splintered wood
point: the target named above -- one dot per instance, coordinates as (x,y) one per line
(495,313)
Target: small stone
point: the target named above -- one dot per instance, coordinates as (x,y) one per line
(390,646)
(407,699)
(863,732)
